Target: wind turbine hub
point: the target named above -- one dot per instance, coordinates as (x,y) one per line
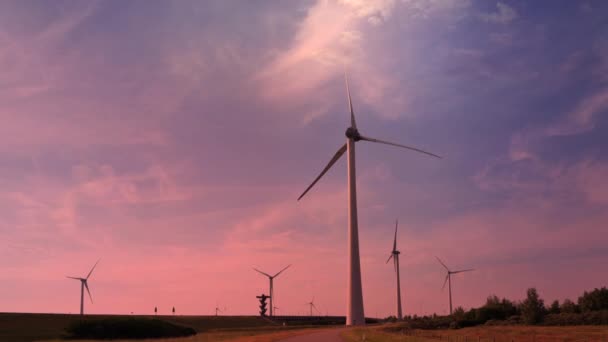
(396,252)
(353,133)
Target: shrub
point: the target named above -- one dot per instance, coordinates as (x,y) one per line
(584,318)
(114,328)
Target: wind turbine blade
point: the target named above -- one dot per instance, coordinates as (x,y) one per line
(92,269)
(266,274)
(89,292)
(445,281)
(281,271)
(389,258)
(395,241)
(441,262)
(353,124)
(333,160)
(74,278)
(469,270)
(399,145)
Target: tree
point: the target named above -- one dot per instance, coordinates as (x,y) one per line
(568,307)
(594,300)
(458,313)
(532,308)
(554,308)
(492,300)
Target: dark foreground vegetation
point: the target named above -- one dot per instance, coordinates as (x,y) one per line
(36,326)
(131,328)
(590,309)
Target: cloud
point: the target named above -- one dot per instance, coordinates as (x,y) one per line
(525,142)
(375,12)
(30,60)
(335,36)
(582,118)
(505,14)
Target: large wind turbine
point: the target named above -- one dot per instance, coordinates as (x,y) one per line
(354,300)
(448,279)
(271,278)
(83,285)
(395,256)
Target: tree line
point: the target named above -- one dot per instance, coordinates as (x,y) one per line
(591,308)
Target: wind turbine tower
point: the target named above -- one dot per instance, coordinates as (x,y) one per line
(354,300)
(84,285)
(312,305)
(395,256)
(271,279)
(448,279)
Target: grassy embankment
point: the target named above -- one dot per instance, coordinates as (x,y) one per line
(36,327)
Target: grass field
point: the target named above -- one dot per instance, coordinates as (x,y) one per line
(46,327)
(484,334)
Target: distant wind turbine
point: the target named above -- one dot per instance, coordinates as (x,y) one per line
(354,301)
(218,310)
(395,256)
(312,305)
(271,278)
(448,279)
(84,284)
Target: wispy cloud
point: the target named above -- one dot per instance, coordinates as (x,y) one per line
(504,15)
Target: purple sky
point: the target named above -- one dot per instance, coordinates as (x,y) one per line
(172,138)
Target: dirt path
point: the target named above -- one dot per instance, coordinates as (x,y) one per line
(332,335)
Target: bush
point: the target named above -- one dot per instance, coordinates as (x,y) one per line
(115,328)
(585,318)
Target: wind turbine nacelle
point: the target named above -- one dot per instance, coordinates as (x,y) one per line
(353,133)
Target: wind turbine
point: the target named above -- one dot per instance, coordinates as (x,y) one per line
(312,305)
(448,279)
(83,285)
(271,278)
(218,310)
(354,299)
(395,256)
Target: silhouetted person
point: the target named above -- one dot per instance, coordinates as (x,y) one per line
(155,311)
(174,310)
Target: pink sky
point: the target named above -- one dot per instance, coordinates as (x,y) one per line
(171,140)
